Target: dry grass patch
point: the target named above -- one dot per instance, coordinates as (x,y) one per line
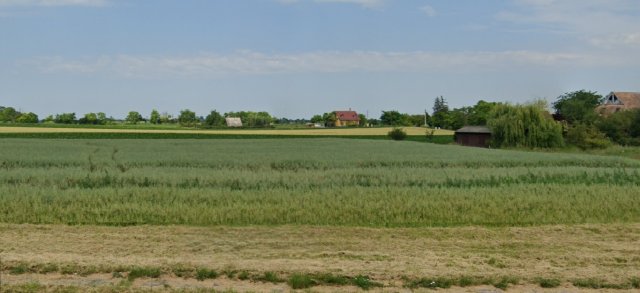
(607,252)
(382,131)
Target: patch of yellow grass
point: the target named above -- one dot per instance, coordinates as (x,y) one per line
(301,132)
(603,251)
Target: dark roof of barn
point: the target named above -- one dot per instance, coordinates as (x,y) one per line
(347,116)
(474,129)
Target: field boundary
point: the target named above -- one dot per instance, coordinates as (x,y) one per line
(440,139)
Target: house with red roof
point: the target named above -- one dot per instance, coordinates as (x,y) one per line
(347,118)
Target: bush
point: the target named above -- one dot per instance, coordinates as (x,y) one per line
(548,283)
(365,283)
(586,137)
(397,134)
(203,274)
(144,272)
(301,281)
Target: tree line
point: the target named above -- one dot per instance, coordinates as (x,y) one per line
(530,125)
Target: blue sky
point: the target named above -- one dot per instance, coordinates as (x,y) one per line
(296,58)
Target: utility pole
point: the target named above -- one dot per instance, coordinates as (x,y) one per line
(425,117)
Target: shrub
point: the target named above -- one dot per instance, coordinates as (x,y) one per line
(203,274)
(301,281)
(365,283)
(586,137)
(244,275)
(332,279)
(548,283)
(269,277)
(144,272)
(397,134)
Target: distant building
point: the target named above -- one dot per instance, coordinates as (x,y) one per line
(233,122)
(619,101)
(347,118)
(476,136)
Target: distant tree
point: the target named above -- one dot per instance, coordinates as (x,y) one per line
(418,119)
(89,118)
(480,113)
(214,119)
(187,118)
(578,106)
(133,117)
(329,119)
(317,119)
(8,114)
(27,118)
(363,120)
(374,122)
(440,117)
(154,118)
(621,127)
(65,118)
(252,119)
(459,117)
(524,126)
(166,118)
(102,118)
(395,118)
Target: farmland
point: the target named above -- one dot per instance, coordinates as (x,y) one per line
(396,212)
(149,129)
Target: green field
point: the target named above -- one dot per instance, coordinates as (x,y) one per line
(320,181)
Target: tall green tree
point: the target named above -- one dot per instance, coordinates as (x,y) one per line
(89,118)
(8,114)
(440,117)
(316,119)
(154,118)
(27,118)
(480,113)
(524,126)
(214,119)
(187,118)
(133,117)
(65,118)
(578,106)
(363,120)
(329,119)
(395,118)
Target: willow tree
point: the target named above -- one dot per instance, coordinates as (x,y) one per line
(524,126)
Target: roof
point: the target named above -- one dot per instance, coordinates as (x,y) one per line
(347,116)
(630,100)
(233,122)
(474,129)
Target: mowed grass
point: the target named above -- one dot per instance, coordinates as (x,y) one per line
(333,182)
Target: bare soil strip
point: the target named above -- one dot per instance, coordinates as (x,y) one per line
(609,252)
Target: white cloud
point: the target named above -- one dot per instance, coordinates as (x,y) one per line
(364,3)
(255,63)
(428,10)
(93,3)
(597,22)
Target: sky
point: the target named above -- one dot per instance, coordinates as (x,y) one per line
(296,58)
